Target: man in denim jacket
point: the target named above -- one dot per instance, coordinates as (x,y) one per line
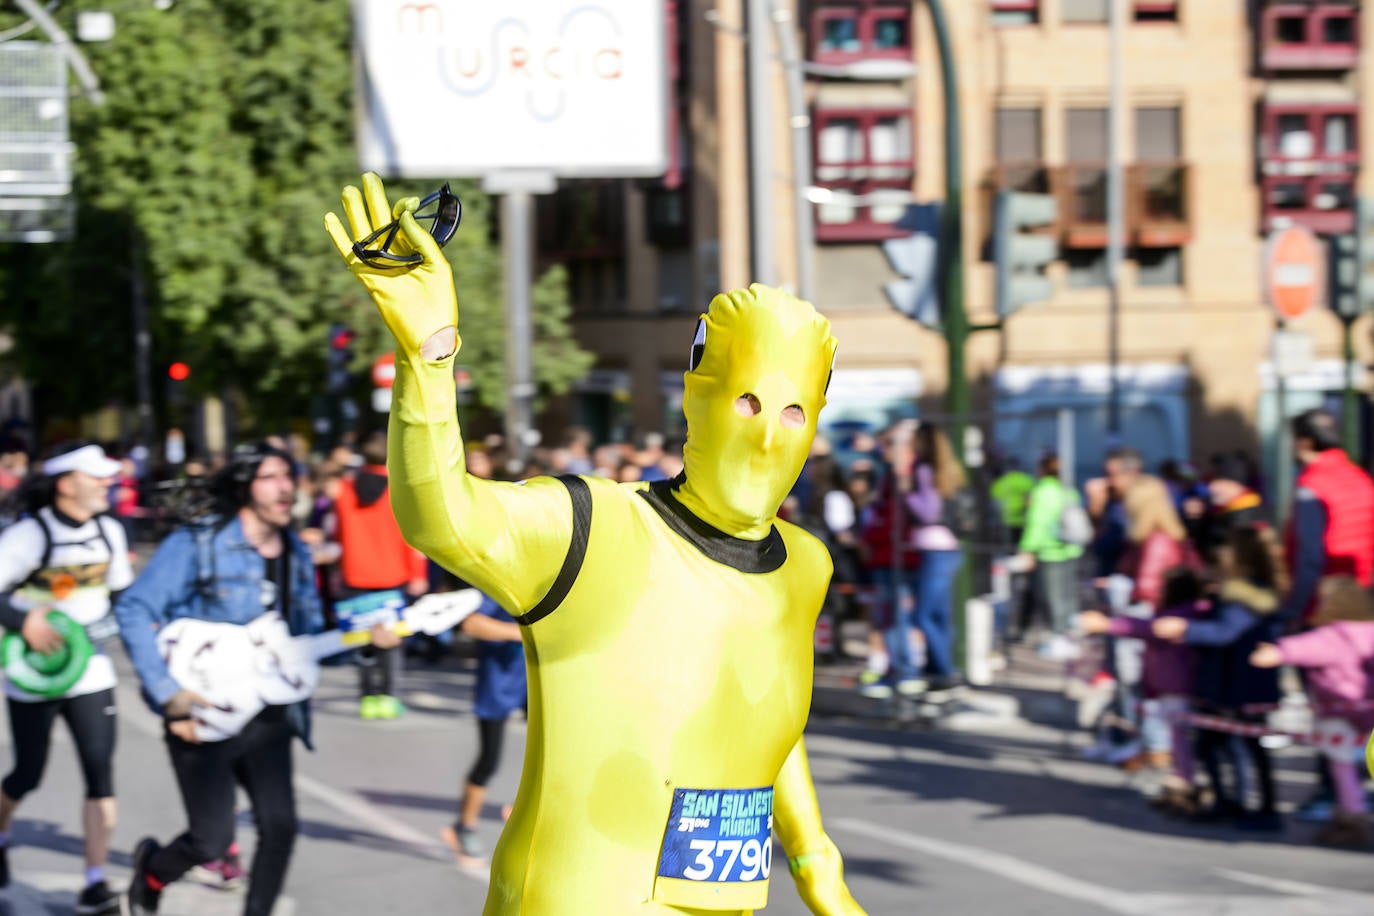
(255,564)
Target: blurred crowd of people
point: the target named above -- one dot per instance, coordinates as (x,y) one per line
(1170,596)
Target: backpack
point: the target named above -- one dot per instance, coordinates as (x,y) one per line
(1074,527)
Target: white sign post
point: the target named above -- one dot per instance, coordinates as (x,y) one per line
(518,93)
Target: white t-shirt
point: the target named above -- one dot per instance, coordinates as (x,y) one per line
(81,573)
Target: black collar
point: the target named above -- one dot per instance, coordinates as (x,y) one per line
(63,518)
(763,556)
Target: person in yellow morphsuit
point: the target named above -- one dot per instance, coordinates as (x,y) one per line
(667,626)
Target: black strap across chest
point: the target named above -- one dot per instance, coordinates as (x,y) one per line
(581,496)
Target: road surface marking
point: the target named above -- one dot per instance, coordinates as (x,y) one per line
(1302,899)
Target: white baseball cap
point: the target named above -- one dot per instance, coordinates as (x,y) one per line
(89,459)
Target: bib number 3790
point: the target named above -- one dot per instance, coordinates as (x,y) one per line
(730,860)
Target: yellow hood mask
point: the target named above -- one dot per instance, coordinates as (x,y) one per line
(765,343)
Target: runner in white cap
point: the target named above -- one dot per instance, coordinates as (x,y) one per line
(66,556)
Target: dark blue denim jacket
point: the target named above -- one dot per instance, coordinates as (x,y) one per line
(177,583)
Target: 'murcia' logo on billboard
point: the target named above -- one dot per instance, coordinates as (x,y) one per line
(585,47)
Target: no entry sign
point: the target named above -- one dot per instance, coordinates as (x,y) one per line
(1292,272)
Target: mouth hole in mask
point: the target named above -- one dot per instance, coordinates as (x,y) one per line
(793,416)
(747,405)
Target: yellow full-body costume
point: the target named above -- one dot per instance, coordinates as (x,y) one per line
(667,627)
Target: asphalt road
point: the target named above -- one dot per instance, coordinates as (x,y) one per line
(999,819)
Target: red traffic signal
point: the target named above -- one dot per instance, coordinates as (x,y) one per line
(341,339)
(178,372)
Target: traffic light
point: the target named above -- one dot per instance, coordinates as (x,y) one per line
(1350,266)
(177,374)
(915,257)
(1020,255)
(338,377)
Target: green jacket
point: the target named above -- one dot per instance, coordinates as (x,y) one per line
(1012,492)
(1047,500)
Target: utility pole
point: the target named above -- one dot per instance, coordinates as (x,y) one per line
(760,145)
(950,274)
(1115,230)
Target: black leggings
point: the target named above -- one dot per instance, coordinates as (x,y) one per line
(259,759)
(490,732)
(1217,752)
(91,719)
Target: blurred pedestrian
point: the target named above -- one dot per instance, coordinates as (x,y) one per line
(1053,560)
(500,692)
(375,558)
(66,556)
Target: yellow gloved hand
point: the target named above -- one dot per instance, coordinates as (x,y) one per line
(416,300)
(1369,754)
(819,876)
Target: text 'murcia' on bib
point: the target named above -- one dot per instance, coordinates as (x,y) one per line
(717,849)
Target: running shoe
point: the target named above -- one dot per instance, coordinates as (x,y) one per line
(368,708)
(97,900)
(911,687)
(871,684)
(231,869)
(143,899)
(388,707)
(462,841)
(1316,810)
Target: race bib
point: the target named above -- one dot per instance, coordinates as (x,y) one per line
(717,849)
(104,629)
(359,614)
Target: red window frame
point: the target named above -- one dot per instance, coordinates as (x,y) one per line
(1314,52)
(866,14)
(1016,6)
(1315,115)
(861,180)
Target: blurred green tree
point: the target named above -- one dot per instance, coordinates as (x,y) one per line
(226,134)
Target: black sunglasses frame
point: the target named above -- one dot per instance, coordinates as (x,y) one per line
(443,223)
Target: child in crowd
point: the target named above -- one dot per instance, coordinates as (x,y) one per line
(501,690)
(1336,653)
(1243,615)
(1167,677)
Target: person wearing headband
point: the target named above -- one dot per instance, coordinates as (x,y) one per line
(68,556)
(668,626)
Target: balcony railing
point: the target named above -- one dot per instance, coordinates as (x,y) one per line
(1157,204)
(1309,36)
(1157,212)
(1324,204)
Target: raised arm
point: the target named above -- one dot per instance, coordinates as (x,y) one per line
(507,540)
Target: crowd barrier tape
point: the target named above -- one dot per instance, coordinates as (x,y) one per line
(1337,739)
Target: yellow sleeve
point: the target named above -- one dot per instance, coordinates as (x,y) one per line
(814,860)
(509,540)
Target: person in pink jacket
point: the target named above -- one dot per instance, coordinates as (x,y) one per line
(1337,654)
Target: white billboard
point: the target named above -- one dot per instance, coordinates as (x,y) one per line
(456,88)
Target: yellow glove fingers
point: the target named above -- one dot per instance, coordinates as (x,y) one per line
(342,241)
(420,239)
(375,195)
(404,204)
(356,212)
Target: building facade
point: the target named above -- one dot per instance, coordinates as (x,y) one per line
(1237,118)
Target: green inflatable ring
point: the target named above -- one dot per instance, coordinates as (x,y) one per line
(47,675)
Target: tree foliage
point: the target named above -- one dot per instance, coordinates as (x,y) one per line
(226,134)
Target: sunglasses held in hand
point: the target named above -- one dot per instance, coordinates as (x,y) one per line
(442,210)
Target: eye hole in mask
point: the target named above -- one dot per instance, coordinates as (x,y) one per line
(747,405)
(793,416)
(698,346)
